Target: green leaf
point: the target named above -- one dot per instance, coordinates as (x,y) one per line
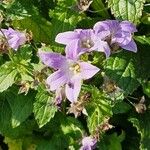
(44,108)
(130,10)
(128,69)
(98,109)
(121,107)
(21,107)
(111,142)
(142,124)
(8,74)
(121,68)
(21,61)
(65,132)
(7,114)
(146,88)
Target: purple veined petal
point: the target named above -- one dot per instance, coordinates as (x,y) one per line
(102,46)
(22,38)
(86,33)
(10,30)
(14,42)
(88,143)
(130,46)
(78,30)
(87,70)
(100,26)
(73,89)
(108,25)
(114,25)
(122,38)
(128,26)
(103,35)
(72,50)
(66,37)
(56,80)
(16,39)
(7,32)
(51,59)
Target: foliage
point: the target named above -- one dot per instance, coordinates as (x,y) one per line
(30,119)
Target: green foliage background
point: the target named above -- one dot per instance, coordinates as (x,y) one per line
(30,120)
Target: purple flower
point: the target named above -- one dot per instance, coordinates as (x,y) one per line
(80,41)
(88,143)
(120,33)
(14,38)
(69,74)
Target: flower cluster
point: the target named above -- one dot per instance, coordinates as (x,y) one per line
(14,38)
(71,71)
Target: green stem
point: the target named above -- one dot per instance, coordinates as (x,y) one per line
(99,7)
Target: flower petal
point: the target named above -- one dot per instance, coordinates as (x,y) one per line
(128,26)
(108,25)
(88,70)
(51,59)
(14,42)
(73,89)
(122,38)
(102,46)
(72,49)
(66,37)
(56,80)
(130,46)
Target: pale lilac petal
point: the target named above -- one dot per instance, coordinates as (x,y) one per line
(122,38)
(130,46)
(56,80)
(128,26)
(14,38)
(51,59)
(88,143)
(88,70)
(73,89)
(72,49)
(86,33)
(100,26)
(13,43)
(102,35)
(102,46)
(66,37)
(108,25)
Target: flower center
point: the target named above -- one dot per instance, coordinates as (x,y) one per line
(75,68)
(87,43)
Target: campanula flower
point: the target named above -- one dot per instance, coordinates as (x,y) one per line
(14,37)
(88,143)
(69,74)
(80,41)
(120,33)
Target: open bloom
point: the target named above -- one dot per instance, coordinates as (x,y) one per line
(80,41)
(88,143)
(120,33)
(14,38)
(69,74)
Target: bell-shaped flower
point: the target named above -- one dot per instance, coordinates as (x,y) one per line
(69,74)
(88,143)
(80,41)
(120,33)
(14,37)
